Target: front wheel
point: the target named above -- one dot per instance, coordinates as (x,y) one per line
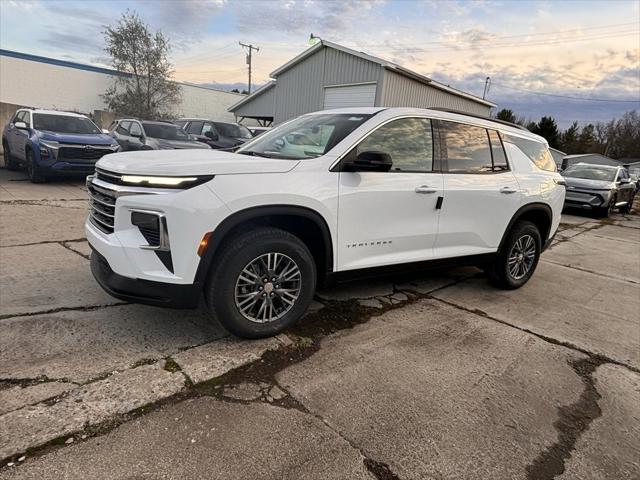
(9,161)
(627,208)
(35,175)
(261,283)
(518,257)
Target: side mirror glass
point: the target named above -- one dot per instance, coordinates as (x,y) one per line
(211,135)
(370,162)
(21,125)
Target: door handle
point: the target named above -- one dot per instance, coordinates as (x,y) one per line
(508,190)
(425,189)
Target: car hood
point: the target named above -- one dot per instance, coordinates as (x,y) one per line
(586,184)
(178,144)
(92,138)
(191,162)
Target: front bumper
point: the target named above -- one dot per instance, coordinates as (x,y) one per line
(143,291)
(586,199)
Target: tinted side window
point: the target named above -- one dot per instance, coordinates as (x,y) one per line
(208,128)
(135,129)
(408,141)
(622,174)
(467,148)
(195,127)
(537,152)
(123,128)
(23,117)
(497,152)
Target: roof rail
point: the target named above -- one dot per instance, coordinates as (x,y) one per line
(482,117)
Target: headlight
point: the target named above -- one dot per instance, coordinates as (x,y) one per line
(168,182)
(49,147)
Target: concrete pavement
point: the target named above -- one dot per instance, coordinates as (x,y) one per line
(427,376)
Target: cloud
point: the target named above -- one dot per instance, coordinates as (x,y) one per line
(330,18)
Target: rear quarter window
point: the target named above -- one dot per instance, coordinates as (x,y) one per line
(537,152)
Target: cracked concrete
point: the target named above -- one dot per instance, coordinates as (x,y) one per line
(450,385)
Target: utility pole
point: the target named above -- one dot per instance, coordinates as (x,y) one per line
(251,49)
(487,86)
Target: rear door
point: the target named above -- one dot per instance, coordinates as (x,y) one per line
(481,193)
(390,217)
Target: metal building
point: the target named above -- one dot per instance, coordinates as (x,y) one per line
(329,75)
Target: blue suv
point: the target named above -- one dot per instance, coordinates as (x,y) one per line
(50,143)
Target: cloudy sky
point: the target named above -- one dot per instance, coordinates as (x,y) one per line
(537,53)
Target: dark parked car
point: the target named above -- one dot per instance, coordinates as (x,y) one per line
(255,131)
(599,188)
(49,142)
(134,134)
(218,135)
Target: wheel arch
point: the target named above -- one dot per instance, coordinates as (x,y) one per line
(540,214)
(306,223)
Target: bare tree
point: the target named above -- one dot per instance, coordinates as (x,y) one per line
(144,87)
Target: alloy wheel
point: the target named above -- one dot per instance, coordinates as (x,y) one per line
(268,287)
(522,257)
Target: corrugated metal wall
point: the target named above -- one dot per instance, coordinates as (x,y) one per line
(262,106)
(400,91)
(301,88)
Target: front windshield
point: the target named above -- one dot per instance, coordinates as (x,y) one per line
(64,124)
(233,131)
(309,136)
(591,173)
(165,131)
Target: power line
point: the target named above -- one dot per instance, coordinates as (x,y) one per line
(588,99)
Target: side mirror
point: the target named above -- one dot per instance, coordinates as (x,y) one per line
(211,135)
(136,135)
(104,130)
(370,162)
(625,181)
(21,125)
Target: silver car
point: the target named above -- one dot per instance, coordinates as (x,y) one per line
(599,188)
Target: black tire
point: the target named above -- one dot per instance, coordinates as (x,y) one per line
(10,162)
(627,208)
(222,291)
(604,212)
(500,273)
(35,175)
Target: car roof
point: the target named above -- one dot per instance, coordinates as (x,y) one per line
(440,114)
(207,120)
(583,164)
(54,112)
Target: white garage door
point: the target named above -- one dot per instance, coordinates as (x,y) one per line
(350,96)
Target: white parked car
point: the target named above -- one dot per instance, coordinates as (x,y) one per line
(255,231)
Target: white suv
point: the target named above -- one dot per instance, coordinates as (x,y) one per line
(326,194)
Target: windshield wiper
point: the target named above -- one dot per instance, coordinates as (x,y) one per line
(254,154)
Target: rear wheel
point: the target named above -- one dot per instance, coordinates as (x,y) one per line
(35,175)
(518,257)
(9,161)
(261,283)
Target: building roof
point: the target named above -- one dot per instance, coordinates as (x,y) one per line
(384,64)
(88,68)
(266,87)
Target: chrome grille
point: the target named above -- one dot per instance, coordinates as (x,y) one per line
(103,206)
(104,188)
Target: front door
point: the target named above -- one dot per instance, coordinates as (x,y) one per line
(481,192)
(390,217)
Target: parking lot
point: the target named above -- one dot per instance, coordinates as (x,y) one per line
(422,376)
